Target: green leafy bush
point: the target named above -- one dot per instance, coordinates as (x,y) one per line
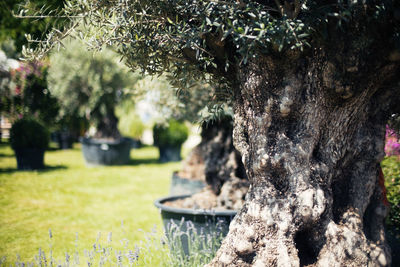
(29,94)
(391,171)
(28,133)
(129,123)
(131,126)
(173,134)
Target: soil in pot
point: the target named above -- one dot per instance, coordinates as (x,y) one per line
(231,197)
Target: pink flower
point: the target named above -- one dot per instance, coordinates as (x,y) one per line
(17,90)
(392,145)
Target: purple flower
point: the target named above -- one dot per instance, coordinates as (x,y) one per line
(392,145)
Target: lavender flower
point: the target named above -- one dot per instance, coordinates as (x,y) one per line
(392,145)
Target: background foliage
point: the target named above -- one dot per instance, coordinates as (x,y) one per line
(28,133)
(29,95)
(391,170)
(14,29)
(173,133)
(89,84)
(130,123)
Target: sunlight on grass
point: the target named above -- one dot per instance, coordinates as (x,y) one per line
(74,200)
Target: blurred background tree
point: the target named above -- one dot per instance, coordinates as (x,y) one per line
(90,85)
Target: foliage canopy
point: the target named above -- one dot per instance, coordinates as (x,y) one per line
(172,134)
(16,28)
(209,40)
(89,84)
(215,36)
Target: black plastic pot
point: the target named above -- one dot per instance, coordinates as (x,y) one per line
(135,143)
(184,186)
(65,140)
(170,153)
(29,158)
(102,152)
(186,226)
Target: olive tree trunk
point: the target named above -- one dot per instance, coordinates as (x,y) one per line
(216,161)
(107,126)
(311,134)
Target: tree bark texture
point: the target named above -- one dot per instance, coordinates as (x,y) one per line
(107,126)
(310,130)
(216,161)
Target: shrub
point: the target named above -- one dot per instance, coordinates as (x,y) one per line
(391,170)
(28,133)
(173,134)
(129,122)
(30,95)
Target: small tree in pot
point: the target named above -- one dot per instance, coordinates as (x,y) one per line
(29,140)
(91,85)
(169,139)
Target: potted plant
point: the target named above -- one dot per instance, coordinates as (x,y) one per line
(218,164)
(169,139)
(91,86)
(184,225)
(29,140)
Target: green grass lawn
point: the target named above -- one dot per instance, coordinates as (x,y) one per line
(83,205)
(78,201)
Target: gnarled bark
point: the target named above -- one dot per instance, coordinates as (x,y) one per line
(311,134)
(216,161)
(107,126)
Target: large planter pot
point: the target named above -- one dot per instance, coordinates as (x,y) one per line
(184,186)
(170,153)
(29,158)
(64,140)
(136,143)
(104,152)
(192,229)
